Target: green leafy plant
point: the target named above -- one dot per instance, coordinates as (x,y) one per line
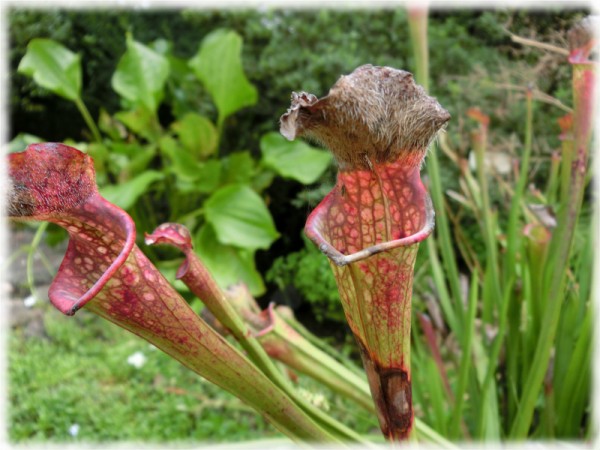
(59,70)
(308,272)
(144,162)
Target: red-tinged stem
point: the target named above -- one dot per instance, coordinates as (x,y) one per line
(581,41)
(278,339)
(285,344)
(197,277)
(427,327)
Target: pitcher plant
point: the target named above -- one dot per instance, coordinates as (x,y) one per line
(378,124)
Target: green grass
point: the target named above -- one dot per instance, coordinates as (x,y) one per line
(79,374)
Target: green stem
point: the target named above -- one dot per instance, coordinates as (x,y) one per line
(492,270)
(324,346)
(302,356)
(565,169)
(262,360)
(496,347)
(202,284)
(560,249)
(443,294)
(88,119)
(513,237)
(465,363)
(417,22)
(487,418)
(35,242)
(430,435)
(571,398)
(552,185)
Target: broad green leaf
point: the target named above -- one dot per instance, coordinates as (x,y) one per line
(197,134)
(229,265)
(190,174)
(100,154)
(162,46)
(262,179)
(53,67)
(129,149)
(125,159)
(240,217)
(182,164)
(125,195)
(218,65)
(140,121)
(141,75)
(112,127)
(294,159)
(209,176)
(183,92)
(140,161)
(239,167)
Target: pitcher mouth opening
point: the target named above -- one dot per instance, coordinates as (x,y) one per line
(56,183)
(66,296)
(313,231)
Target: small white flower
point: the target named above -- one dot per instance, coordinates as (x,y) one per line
(74,430)
(317,399)
(320,402)
(493,161)
(30,301)
(137,360)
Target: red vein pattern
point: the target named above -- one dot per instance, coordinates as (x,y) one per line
(384,204)
(105,272)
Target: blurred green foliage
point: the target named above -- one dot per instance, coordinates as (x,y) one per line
(309,272)
(472,63)
(286,50)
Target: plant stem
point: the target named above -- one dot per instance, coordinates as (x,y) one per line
(492,272)
(88,119)
(571,399)
(35,242)
(432,436)
(496,347)
(417,21)
(560,247)
(513,237)
(465,363)
(440,285)
(202,284)
(552,185)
